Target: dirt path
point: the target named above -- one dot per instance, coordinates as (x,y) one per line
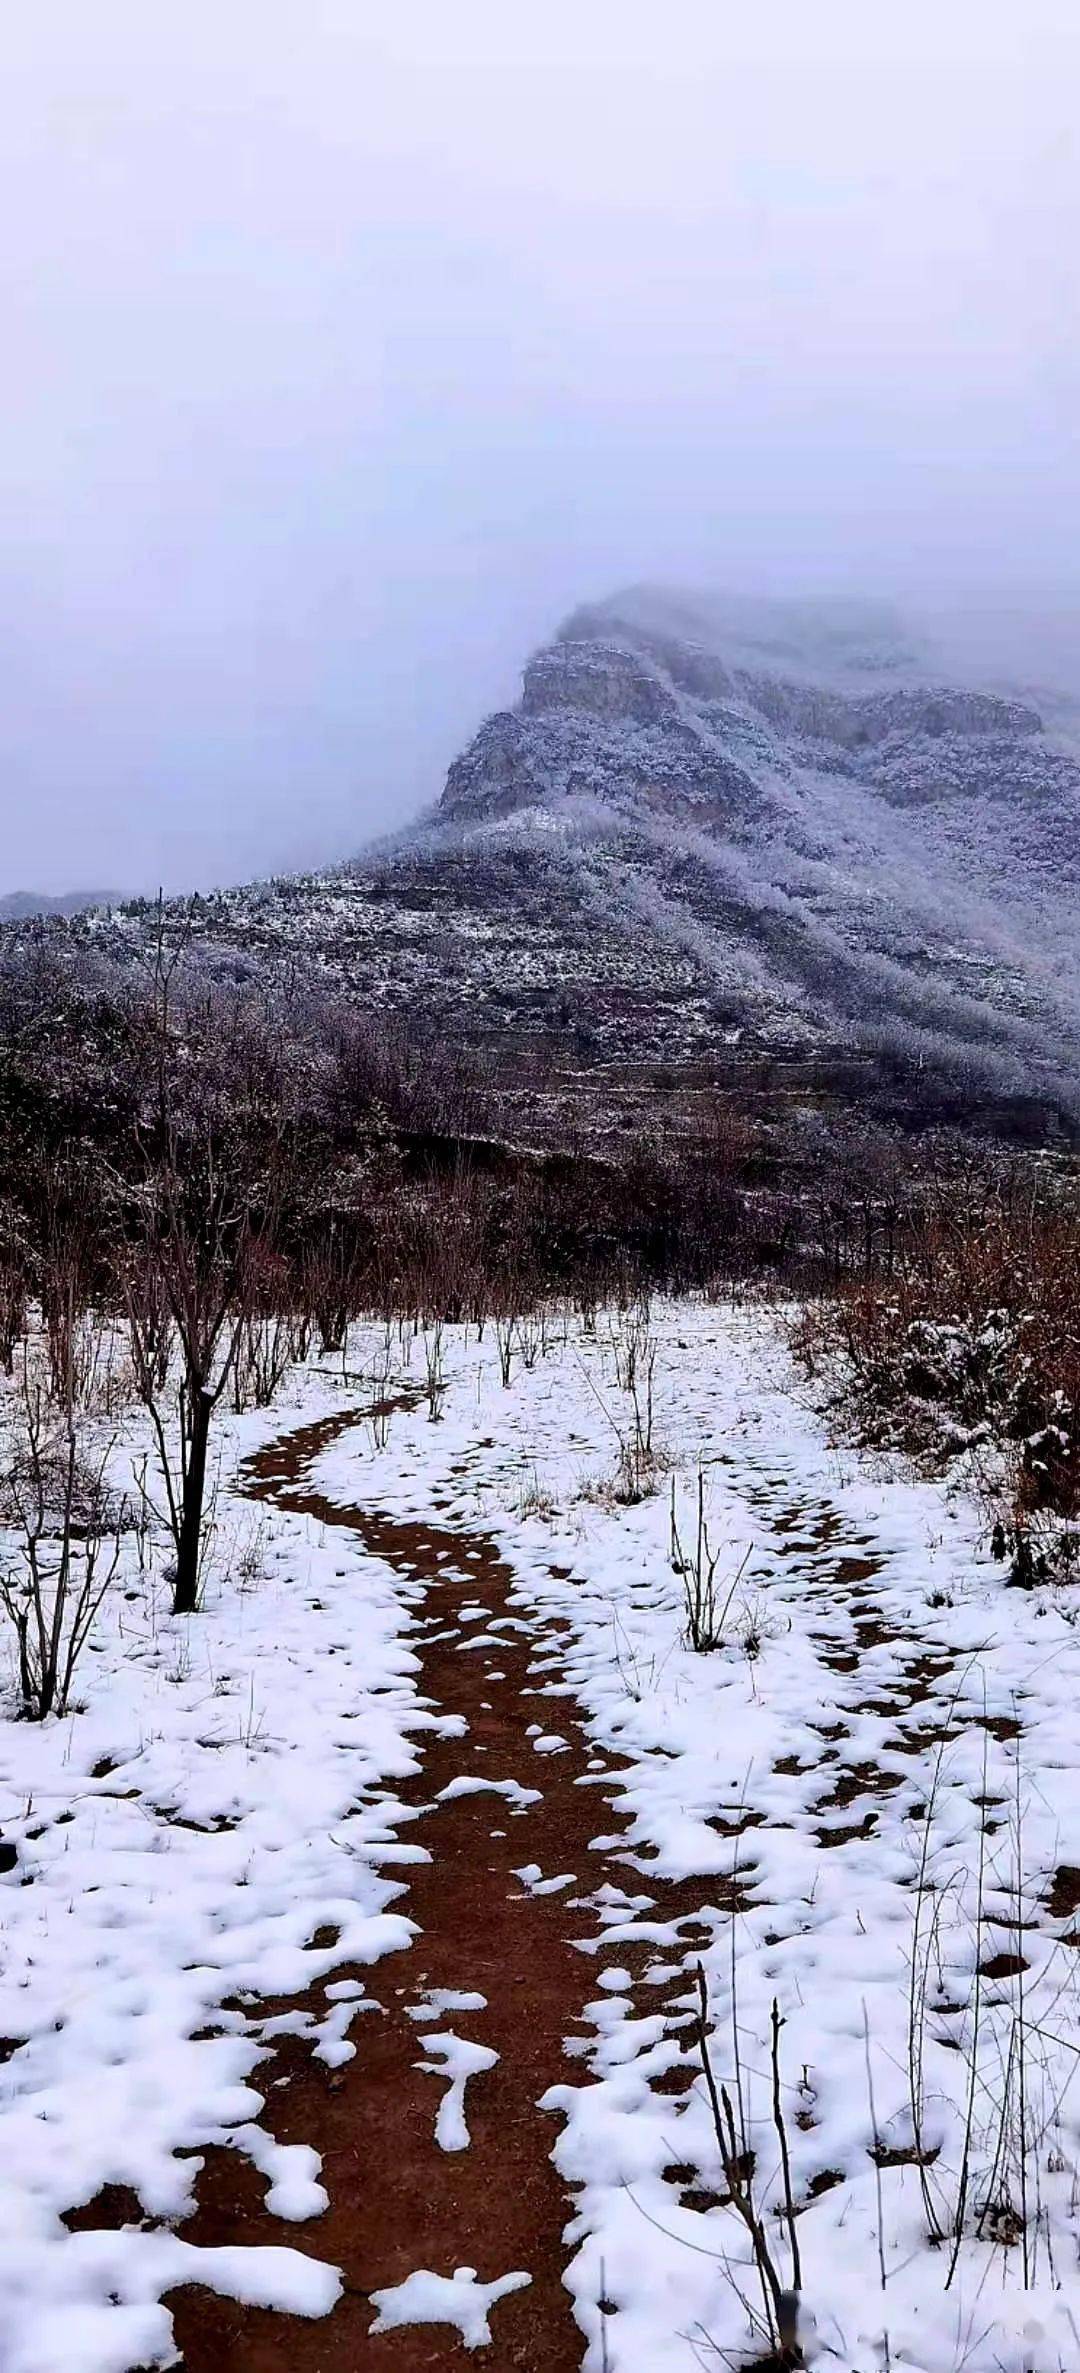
(398,2201)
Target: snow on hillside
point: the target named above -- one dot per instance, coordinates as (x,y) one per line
(707,832)
(894,819)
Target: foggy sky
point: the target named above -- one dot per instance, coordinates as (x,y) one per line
(347,346)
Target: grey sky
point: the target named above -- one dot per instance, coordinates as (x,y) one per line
(347,346)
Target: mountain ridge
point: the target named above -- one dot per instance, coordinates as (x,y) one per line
(710,840)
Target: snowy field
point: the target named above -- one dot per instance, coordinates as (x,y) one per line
(871,1783)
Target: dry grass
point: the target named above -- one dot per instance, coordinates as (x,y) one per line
(970,1342)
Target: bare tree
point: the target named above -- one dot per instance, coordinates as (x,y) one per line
(329,1282)
(69,1205)
(68,1550)
(12,1313)
(270,1332)
(192,1262)
(200,1225)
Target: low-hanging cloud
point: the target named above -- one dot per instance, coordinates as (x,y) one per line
(347,348)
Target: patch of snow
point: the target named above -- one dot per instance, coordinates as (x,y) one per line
(460,2059)
(469,1784)
(425,2298)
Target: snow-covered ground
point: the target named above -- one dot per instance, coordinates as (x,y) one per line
(877,1767)
(212,1804)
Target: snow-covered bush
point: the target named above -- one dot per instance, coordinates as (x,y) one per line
(970,1343)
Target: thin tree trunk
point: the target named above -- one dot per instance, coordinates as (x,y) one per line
(186,1592)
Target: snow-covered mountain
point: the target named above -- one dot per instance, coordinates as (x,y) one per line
(849,847)
(721,838)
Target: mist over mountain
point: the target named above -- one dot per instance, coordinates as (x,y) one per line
(843,842)
(15,904)
(718,836)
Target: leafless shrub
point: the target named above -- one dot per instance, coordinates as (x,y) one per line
(969,1343)
(633,1347)
(69,1542)
(641,1398)
(381,1382)
(199,1296)
(269,1333)
(530,1339)
(329,1284)
(535,1499)
(249,1564)
(707,1605)
(434,1374)
(70,1270)
(1010,2094)
(143,1510)
(505,1339)
(738,2159)
(13,1313)
(266,1349)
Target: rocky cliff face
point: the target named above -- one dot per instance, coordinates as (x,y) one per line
(597,720)
(618,708)
(849,847)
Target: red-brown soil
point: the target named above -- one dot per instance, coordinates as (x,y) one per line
(397,2201)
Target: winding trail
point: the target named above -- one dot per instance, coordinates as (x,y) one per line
(887,1701)
(398,2201)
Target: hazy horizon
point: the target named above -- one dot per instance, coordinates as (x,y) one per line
(345,358)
